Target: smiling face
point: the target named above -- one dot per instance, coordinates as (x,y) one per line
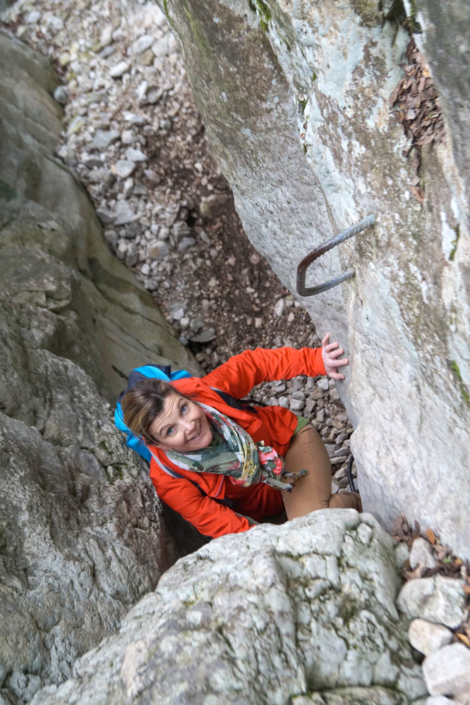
(181,426)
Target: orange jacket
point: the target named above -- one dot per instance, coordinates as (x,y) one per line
(273,425)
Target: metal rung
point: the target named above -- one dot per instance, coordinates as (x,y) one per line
(319,251)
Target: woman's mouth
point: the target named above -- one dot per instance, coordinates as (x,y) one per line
(194,438)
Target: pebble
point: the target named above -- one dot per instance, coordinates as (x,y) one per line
(438,599)
(106,36)
(279,307)
(123,213)
(422,554)
(427,637)
(141,44)
(103,139)
(124,168)
(33,17)
(61,95)
(186,243)
(447,671)
(323,384)
(119,70)
(157,248)
(296,404)
(135,155)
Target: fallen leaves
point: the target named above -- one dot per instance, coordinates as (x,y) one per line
(417,108)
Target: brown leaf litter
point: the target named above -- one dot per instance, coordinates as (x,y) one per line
(417,107)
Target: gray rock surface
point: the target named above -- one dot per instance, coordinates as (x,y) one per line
(438,599)
(295,99)
(447,671)
(261,617)
(82,536)
(422,554)
(428,637)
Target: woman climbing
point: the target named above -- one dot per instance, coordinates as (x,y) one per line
(224,465)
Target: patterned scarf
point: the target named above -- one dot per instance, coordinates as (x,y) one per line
(233,452)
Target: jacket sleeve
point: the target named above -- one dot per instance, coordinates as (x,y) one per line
(208,516)
(242,372)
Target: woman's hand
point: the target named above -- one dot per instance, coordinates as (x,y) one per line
(330,353)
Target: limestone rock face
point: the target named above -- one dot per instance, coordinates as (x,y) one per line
(295,99)
(261,617)
(82,535)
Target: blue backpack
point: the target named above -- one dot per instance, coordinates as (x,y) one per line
(164,373)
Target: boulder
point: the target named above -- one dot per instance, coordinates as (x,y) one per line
(82,532)
(276,612)
(295,99)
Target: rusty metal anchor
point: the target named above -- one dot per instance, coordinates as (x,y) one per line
(319,251)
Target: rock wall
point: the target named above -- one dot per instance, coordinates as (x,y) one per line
(300,613)
(82,536)
(296,101)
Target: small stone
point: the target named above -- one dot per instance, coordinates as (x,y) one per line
(151,284)
(447,671)
(135,155)
(61,94)
(296,404)
(205,336)
(186,243)
(157,248)
(147,58)
(142,44)
(133,118)
(290,317)
(255,259)
(119,70)
(153,94)
(102,139)
(128,187)
(105,216)
(427,637)
(33,17)
(279,307)
(131,255)
(106,36)
(439,700)
(127,137)
(298,395)
(125,168)
(152,176)
(258,322)
(112,237)
(402,554)
(284,402)
(437,599)
(107,51)
(323,384)
(123,213)
(180,229)
(422,554)
(164,233)
(184,323)
(320,415)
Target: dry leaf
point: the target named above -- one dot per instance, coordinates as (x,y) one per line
(458,561)
(465,639)
(416,573)
(418,193)
(431,536)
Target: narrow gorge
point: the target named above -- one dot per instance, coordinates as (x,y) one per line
(164,168)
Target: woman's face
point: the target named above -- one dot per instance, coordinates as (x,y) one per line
(181,426)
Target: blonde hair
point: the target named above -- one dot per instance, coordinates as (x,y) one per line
(143,403)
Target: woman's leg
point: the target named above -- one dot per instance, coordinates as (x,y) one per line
(313,490)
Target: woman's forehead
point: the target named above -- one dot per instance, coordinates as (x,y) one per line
(170,410)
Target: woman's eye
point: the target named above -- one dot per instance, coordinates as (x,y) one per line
(170,431)
(184,408)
